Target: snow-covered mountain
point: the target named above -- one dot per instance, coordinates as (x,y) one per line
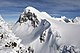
(69,33)
(77,20)
(38,32)
(64,19)
(33,34)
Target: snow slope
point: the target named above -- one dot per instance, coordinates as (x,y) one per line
(69,32)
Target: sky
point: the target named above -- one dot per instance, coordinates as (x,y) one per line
(11,9)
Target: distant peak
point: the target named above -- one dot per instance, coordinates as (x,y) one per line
(1,19)
(63,17)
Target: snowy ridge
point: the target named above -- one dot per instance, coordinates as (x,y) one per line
(77,20)
(38,32)
(64,19)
